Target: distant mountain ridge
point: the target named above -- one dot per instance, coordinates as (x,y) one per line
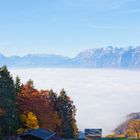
(109,57)
(35,60)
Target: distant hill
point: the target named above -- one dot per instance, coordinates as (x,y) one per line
(122,127)
(37,60)
(109,57)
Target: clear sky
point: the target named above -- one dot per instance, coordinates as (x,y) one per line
(67,26)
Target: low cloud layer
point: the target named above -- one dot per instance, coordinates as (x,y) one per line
(103,97)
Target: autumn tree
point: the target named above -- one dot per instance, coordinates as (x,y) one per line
(133,128)
(37,102)
(24,107)
(29,121)
(7,102)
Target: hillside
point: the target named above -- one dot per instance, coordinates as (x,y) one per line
(122,127)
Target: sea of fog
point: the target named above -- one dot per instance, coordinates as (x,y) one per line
(102,97)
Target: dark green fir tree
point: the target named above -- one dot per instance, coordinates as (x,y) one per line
(1,135)
(67,112)
(7,102)
(17,85)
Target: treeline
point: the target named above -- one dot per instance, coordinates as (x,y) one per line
(23,107)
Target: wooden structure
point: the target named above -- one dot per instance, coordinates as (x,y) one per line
(38,134)
(93,134)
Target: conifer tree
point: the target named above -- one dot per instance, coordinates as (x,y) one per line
(53,99)
(17,113)
(1,136)
(7,101)
(67,112)
(17,85)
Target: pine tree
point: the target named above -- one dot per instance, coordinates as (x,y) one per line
(7,101)
(1,136)
(17,85)
(17,113)
(53,99)
(67,112)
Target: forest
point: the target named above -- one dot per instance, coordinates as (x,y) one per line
(23,107)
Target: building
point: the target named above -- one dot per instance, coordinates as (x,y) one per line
(38,134)
(93,134)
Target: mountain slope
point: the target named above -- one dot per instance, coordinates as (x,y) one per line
(109,57)
(122,128)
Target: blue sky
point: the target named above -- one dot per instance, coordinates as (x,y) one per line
(67,27)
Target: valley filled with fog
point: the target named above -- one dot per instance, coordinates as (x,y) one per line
(102,97)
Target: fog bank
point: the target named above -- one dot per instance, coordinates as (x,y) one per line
(102,97)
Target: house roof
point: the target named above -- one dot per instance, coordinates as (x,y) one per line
(40,133)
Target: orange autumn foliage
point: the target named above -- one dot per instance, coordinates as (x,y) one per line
(31,100)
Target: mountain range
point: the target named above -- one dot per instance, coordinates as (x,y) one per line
(109,57)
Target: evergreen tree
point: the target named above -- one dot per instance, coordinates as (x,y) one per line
(53,99)
(30,83)
(17,113)
(17,85)
(67,112)
(1,136)
(7,101)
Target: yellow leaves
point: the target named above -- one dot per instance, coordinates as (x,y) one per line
(32,121)
(21,130)
(134,124)
(115,135)
(29,121)
(133,129)
(110,136)
(120,136)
